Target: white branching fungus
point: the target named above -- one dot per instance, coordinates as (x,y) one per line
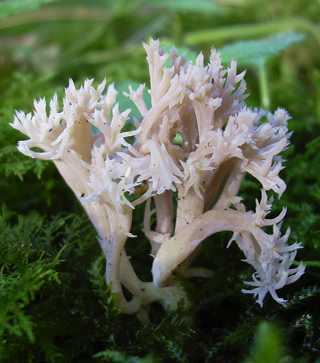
(219,140)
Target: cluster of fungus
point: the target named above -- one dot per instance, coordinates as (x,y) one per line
(220,140)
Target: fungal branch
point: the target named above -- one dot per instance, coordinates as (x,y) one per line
(219,138)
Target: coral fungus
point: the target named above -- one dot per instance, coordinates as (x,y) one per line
(220,140)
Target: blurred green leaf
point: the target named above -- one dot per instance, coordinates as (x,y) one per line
(312,263)
(268,345)
(258,51)
(199,6)
(13,7)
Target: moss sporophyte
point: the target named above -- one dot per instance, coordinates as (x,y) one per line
(197,140)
